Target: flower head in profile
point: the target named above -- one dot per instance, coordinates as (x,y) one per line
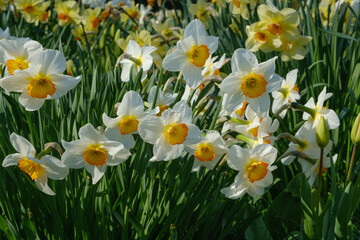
(294,50)
(94,152)
(320,110)
(208,151)
(129,114)
(254,167)
(170,132)
(288,92)
(39,168)
(91,19)
(190,54)
(139,57)
(43,80)
(163,100)
(212,68)
(250,81)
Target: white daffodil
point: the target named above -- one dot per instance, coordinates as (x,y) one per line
(254,170)
(288,92)
(18,54)
(190,54)
(138,56)
(250,81)
(94,152)
(330,116)
(4,33)
(120,3)
(163,100)
(43,80)
(211,67)
(129,114)
(40,169)
(208,151)
(94,3)
(170,132)
(306,143)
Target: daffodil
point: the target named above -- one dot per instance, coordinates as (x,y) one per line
(94,3)
(140,57)
(241,7)
(129,114)
(294,50)
(212,68)
(91,19)
(320,110)
(261,39)
(163,100)
(68,13)
(29,9)
(288,92)
(120,3)
(281,23)
(190,54)
(39,169)
(208,151)
(250,81)
(18,54)
(170,132)
(201,10)
(43,80)
(94,152)
(132,11)
(254,167)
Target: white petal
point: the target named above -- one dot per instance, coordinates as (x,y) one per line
(63,84)
(114,134)
(192,75)
(42,184)
(243,61)
(30,103)
(274,83)
(260,104)
(151,130)
(211,42)
(22,145)
(237,157)
(96,172)
(175,61)
(266,69)
(131,103)
(12,159)
(15,83)
(51,61)
(133,48)
(88,132)
(232,83)
(194,135)
(54,168)
(196,30)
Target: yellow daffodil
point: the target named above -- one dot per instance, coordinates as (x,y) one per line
(67,13)
(91,19)
(294,50)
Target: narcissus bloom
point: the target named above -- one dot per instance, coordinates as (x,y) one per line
(95,3)
(38,170)
(190,54)
(211,67)
(140,57)
(319,109)
(294,50)
(241,7)
(261,39)
(18,54)
(170,132)
(254,170)
(43,80)
(129,114)
(208,151)
(91,19)
(29,9)
(163,100)
(94,152)
(288,92)
(68,13)
(250,81)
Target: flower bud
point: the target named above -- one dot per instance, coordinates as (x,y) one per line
(355,131)
(322,133)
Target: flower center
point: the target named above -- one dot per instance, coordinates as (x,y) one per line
(205,152)
(303,146)
(40,87)
(260,37)
(176,133)
(253,85)
(199,54)
(256,170)
(16,64)
(29,167)
(285,92)
(95,155)
(95,22)
(63,17)
(162,109)
(28,9)
(241,110)
(275,29)
(128,124)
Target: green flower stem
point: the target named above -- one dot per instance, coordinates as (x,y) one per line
(351,164)
(310,111)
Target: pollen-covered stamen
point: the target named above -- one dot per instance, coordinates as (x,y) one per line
(198,55)
(128,124)
(40,87)
(176,133)
(95,155)
(253,85)
(260,37)
(95,22)
(29,9)
(29,167)
(205,152)
(162,109)
(15,64)
(275,29)
(256,170)
(63,17)
(241,110)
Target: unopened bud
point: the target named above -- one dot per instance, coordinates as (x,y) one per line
(322,133)
(355,131)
